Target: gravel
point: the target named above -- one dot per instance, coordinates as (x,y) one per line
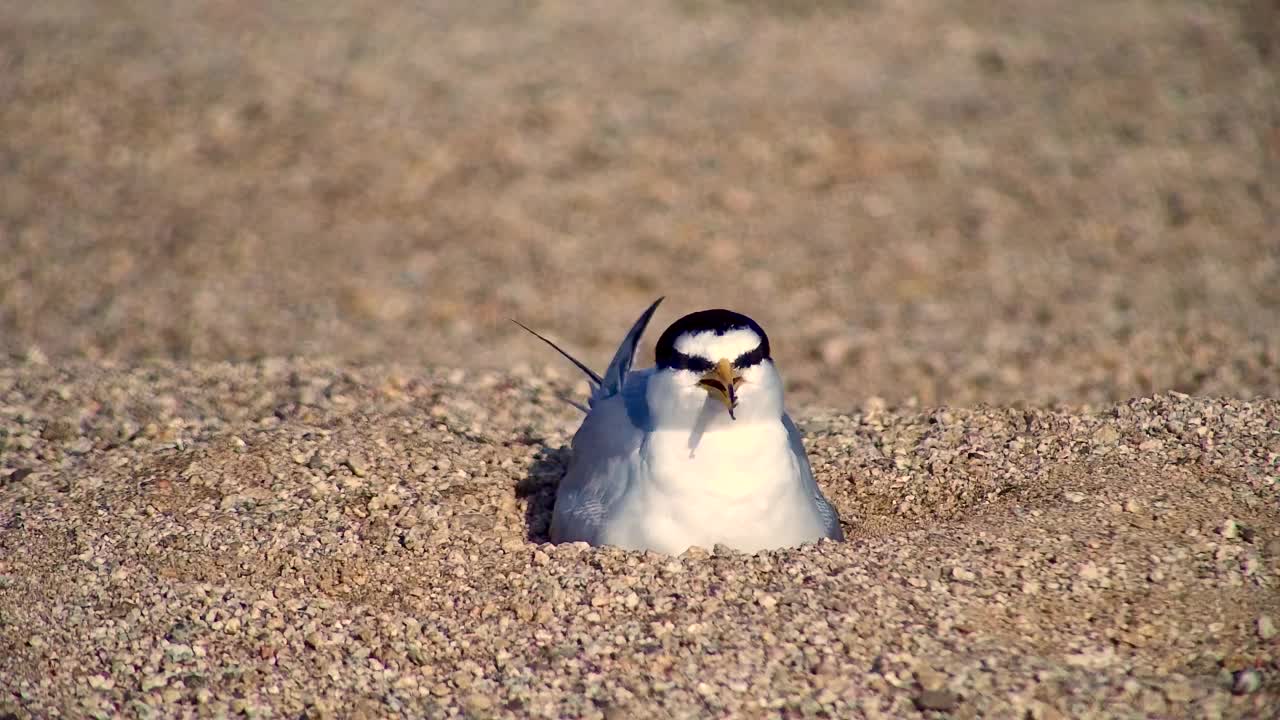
(290,537)
(270,447)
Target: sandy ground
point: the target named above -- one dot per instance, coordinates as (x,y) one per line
(269,446)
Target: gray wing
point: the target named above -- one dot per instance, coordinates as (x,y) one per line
(606,451)
(830,518)
(620,366)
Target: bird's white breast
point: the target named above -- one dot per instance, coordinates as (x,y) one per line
(743,461)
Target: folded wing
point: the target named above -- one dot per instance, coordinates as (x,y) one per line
(830,518)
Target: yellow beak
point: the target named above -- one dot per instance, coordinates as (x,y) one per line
(721,382)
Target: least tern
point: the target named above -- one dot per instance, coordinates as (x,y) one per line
(696,451)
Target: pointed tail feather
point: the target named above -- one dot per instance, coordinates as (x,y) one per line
(595,379)
(625,355)
(576,405)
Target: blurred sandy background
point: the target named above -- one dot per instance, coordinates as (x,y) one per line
(1007,202)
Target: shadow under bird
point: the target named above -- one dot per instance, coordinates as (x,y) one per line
(696,451)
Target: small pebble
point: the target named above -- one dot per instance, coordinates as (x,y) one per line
(1229,530)
(101,682)
(940,700)
(1266,627)
(930,679)
(1246,681)
(358,465)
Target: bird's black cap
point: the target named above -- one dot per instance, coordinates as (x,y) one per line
(716,321)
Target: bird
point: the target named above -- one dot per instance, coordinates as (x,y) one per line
(697,450)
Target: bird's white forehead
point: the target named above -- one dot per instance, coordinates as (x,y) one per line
(728,346)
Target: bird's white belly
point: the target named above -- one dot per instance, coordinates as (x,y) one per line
(739,488)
